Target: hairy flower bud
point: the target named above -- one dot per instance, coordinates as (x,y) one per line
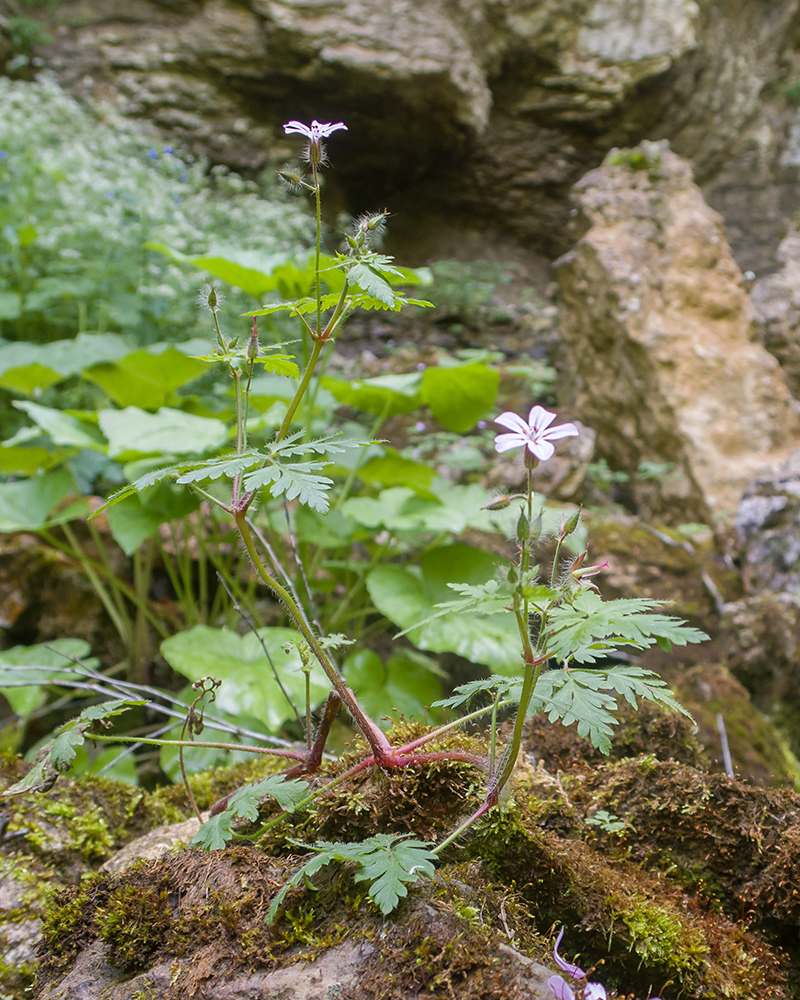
(571,523)
(253,347)
(499,503)
(523,528)
(209,298)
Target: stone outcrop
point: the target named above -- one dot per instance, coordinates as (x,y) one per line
(658,326)
(768,531)
(481,111)
(776,299)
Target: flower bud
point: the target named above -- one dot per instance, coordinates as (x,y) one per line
(571,523)
(253,347)
(535,532)
(209,298)
(523,528)
(499,503)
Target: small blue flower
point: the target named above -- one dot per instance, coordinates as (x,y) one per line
(177,199)
(111,194)
(152,154)
(184,177)
(168,150)
(3,154)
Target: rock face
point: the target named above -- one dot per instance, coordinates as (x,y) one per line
(658,326)
(768,530)
(776,299)
(483,112)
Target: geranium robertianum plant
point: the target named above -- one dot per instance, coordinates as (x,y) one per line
(566,630)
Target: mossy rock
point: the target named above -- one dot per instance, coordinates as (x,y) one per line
(479,928)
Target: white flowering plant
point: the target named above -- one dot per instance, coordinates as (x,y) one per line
(565,631)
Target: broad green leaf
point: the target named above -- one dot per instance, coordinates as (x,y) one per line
(144,378)
(133,431)
(25,461)
(249,686)
(61,358)
(400,509)
(64,428)
(407,683)
(29,380)
(392,469)
(246,269)
(460,396)
(407,597)
(10,305)
(33,669)
(330,531)
(384,395)
(139,516)
(27,505)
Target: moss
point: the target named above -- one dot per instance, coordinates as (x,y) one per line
(653,934)
(135,920)
(659,938)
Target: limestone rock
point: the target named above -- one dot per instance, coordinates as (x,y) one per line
(658,326)
(153,844)
(763,640)
(484,112)
(776,298)
(768,530)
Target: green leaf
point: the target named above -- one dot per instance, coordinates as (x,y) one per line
(392,469)
(460,396)
(384,395)
(249,686)
(576,628)
(139,516)
(244,804)
(407,597)
(249,270)
(27,367)
(38,668)
(225,465)
(371,282)
(586,697)
(400,509)
(505,687)
(279,364)
(215,833)
(10,305)
(299,481)
(26,461)
(407,683)
(27,505)
(64,428)
(146,378)
(133,431)
(57,755)
(388,862)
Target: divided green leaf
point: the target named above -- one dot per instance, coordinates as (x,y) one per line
(388,862)
(215,833)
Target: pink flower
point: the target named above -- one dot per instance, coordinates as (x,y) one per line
(557,984)
(315,131)
(535,434)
